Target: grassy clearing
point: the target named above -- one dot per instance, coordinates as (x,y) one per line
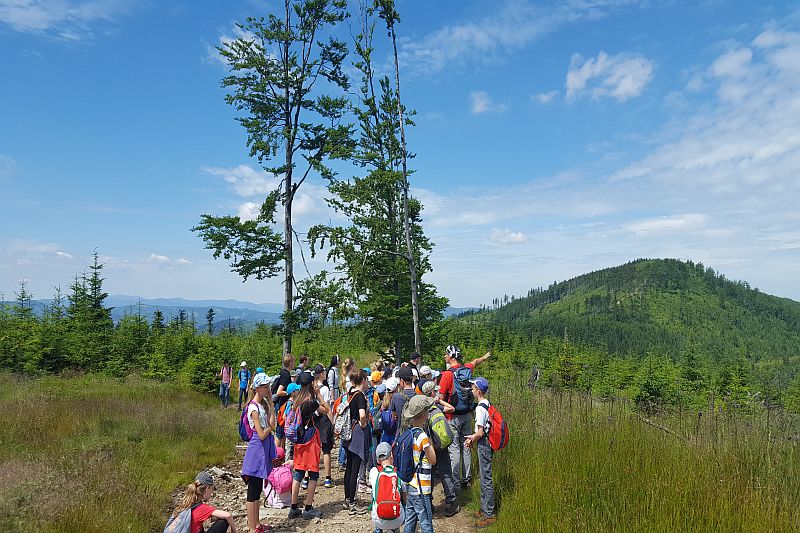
(578,465)
(91,453)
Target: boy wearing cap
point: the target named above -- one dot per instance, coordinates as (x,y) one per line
(244,382)
(418,504)
(480,388)
(383,453)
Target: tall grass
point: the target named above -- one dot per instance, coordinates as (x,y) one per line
(576,464)
(90,453)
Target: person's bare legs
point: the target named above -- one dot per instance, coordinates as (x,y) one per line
(326,463)
(252,515)
(312,488)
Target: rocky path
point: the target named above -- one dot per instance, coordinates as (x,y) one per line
(231,495)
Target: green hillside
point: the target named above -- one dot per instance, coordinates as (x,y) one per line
(660,305)
(686,317)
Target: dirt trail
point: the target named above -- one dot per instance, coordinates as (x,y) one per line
(231,495)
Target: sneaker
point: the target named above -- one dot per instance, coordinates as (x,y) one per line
(328,484)
(346,505)
(364,488)
(295,513)
(485,522)
(308,514)
(304,483)
(451,510)
(356,508)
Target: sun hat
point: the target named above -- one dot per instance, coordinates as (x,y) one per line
(381,388)
(425,370)
(481,383)
(244,363)
(417,404)
(391,384)
(429,387)
(259,370)
(204,478)
(383,450)
(293,387)
(376,376)
(260,379)
(279,452)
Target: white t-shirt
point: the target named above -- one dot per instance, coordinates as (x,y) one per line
(482,416)
(325,392)
(397,523)
(262,415)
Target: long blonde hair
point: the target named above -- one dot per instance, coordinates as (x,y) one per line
(194,494)
(347,366)
(387,400)
(266,404)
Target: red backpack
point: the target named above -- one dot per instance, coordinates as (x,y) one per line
(498,429)
(387,494)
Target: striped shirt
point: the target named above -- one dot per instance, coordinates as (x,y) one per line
(423,474)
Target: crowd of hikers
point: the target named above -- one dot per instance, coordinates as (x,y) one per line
(395,430)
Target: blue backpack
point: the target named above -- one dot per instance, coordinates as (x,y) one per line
(181,523)
(403,451)
(296,431)
(245,432)
(462,399)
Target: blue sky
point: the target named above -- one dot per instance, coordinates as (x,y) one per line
(553,138)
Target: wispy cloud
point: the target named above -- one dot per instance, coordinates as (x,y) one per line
(165,260)
(621,76)
(245,180)
(506,236)
(544,98)
(7,165)
(68,20)
(667,224)
(513,25)
(227,37)
(481,102)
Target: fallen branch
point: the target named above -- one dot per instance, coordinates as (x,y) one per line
(660,427)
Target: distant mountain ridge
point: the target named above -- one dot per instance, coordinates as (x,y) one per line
(241,314)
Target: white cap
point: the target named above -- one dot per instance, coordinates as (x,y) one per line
(391,384)
(244,363)
(425,370)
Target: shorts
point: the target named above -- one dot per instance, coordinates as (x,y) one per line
(254,487)
(327,442)
(279,432)
(298,475)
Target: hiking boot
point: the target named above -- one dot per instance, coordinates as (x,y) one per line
(295,513)
(450,510)
(328,484)
(308,514)
(485,521)
(356,508)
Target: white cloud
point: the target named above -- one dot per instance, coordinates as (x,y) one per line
(732,64)
(512,25)
(544,98)
(7,165)
(249,211)
(64,255)
(506,236)
(621,76)
(481,102)
(213,55)
(667,224)
(69,20)
(164,260)
(245,180)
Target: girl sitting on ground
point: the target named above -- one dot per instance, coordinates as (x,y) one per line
(198,492)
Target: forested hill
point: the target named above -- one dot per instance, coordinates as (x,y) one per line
(662,306)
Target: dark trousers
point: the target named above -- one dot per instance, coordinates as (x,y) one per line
(220,526)
(242,394)
(351,470)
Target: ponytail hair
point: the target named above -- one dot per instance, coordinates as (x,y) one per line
(193,495)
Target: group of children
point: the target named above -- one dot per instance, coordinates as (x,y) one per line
(392,433)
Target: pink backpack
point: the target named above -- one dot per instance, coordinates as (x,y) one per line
(281,479)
